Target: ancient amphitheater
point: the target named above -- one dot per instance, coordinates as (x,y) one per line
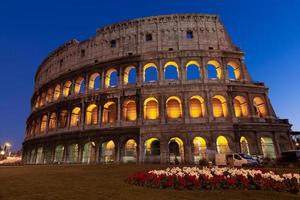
(171,88)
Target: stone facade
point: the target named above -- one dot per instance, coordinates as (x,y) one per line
(54,126)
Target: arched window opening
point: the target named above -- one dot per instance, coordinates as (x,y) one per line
(219,105)
(197,107)
(49,97)
(56,92)
(234,72)
(129,110)
(52,122)
(91,117)
(89,153)
(240,107)
(193,70)
(37,129)
(109,112)
(222,145)
(80,85)
(43,99)
(260,107)
(199,149)
(44,124)
(244,146)
(108,152)
(59,154)
(63,117)
(130,75)
(268,148)
(130,153)
(174,107)
(150,72)
(171,71)
(111,78)
(75,117)
(152,147)
(67,88)
(176,151)
(214,70)
(94,81)
(151,110)
(39,156)
(37,102)
(32,128)
(72,155)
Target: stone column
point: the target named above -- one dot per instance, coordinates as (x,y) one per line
(82,117)
(162,109)
(161,75)
(203,69)
(140,74)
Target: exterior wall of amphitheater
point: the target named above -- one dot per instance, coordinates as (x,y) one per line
(146,120)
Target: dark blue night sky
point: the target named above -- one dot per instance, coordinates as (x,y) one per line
(267,31)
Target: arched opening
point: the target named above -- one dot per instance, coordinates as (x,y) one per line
(63,117)
(130,153)
(176,151)
(130,75)
(171,71)
(214,70)
(174,107)
(234,72)
(260,107)
(52,122)
(152,151)
(67,88)
(94,81)
(56,92)
(108,152)
(129,110)
(37,128)
(32,128)
(89,153)
(79,85)
(199,145)
(109,112)
(244,146)
(32,156)
(240,107)
(111,78)
(222,145)
(42,99)
(39,156)
(59,154)
(197,107)
(72,155)
(44,124)
(150,72)
(91,117)
(193,70)
(37,102)
(219,105)
(151,110)
(75,117)
(268,148)
(49,97)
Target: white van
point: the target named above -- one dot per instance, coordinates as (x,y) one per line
(235,160)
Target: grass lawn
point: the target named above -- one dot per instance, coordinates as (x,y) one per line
(102,182)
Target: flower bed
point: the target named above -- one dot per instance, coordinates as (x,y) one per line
(194,178)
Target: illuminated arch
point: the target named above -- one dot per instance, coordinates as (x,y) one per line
(176,150)
(193,70)
(222,145)
(37,102)
(59,154)
(72,156)
(260,107)
(94,81)
(108,151)
(219,105)
(130,75)
(150,72)
(197,107)
(234,71)
(109,112)
(56,92)
(63,117)
(44,123)
(171,71)
(244,145)
(42,99)
(67,88)
(214,69)
(129,110)
(151,108)
(130,153)
(199,145)
(89,153)
(152,147)
(32,128)
(52,121)
(240,106)
(174,107)
(79,85)
(75,117)
(268,148)
(111,78)
(37,128)
(91,117)
(49,97)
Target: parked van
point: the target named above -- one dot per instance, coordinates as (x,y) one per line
(235,160)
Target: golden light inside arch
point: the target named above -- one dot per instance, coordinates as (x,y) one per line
(75,117)
(260,106)
(108,76)
(148,143)
(130,144)
(129,110)
(197,107)
(174,107)
(193,62)
(92,79)
(240,106)
(180,145)
(91,114)
(146,66)
(67,88)
(217,66)
(109,112)
(236,69)
(127,72)
(244,145)
(219,105)
(56,92)
(151,109)
(222,145)
(78,85)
